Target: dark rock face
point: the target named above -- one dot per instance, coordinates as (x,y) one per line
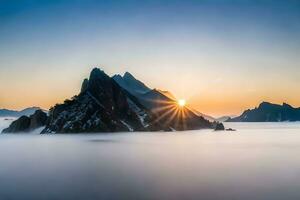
(84,85)
(230,129)
(149,98)
(104,106)
(131,84)
(26,124)
(163,105)
(180,118)
(219,127)
(267,112)
(101,107)
(20,125)
(38,119)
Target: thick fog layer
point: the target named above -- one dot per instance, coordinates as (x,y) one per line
(251,163)
(5,122)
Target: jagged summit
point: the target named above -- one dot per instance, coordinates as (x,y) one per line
(287,106)
(108,104)
(264,103)
(128,76)
(84,85)
(100,107)
(152,99)
(131,84)
(98,74)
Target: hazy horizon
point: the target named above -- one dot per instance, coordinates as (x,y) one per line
(191,106)
(221,56)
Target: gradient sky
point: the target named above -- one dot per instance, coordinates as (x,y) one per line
(221,56)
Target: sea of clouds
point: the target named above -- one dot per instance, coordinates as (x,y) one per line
(5,122)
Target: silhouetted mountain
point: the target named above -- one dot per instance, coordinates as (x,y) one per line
(268,112)
(149,98)
(219,127)
(105,106)
(158,101)
(27,124)
(154,99)
(100,107)
(131,84)
(14,113)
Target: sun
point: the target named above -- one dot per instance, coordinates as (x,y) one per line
(181,102)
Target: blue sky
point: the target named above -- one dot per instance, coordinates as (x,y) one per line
(222,56)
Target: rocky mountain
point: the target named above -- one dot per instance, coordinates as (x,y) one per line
(220,127)
(153,99)
(14,113)
(268,112)
(27,124)
(150,98)
(162,103)
(114,104)
(131,84)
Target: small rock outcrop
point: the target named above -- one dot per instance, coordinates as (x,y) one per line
(230,129)
(26,124)
(219,127)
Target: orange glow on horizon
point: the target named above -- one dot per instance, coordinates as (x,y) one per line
(231,97)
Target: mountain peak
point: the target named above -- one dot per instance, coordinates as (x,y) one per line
(98,81)
(129,76)
(111,104)
(286,105)
(130,83)
(97,73)
(84,85)
(266,104)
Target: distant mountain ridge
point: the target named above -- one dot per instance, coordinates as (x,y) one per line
(14,113)
(268,112)
(224,118)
